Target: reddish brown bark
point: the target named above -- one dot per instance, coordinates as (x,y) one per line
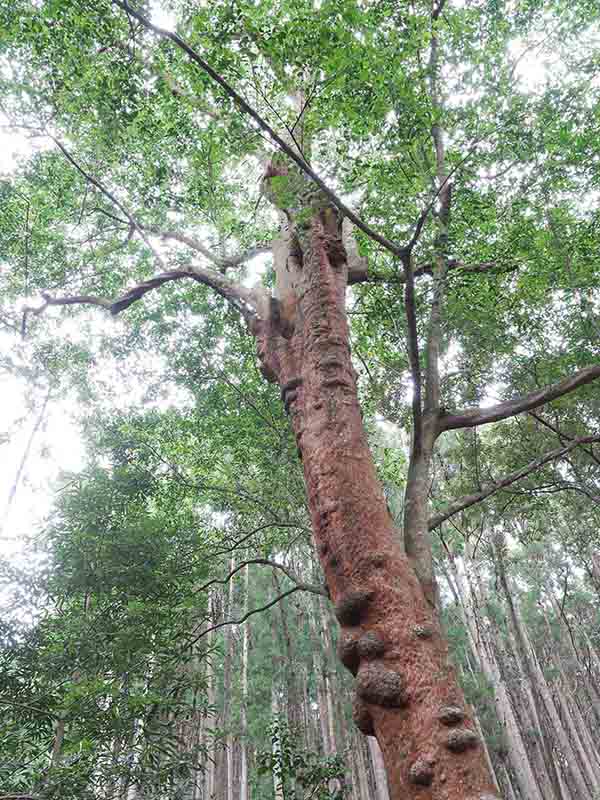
(406,690)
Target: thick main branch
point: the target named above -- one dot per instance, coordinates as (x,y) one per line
(472,417)
(242,298)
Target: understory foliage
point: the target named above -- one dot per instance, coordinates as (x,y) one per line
(168,633)
(149,703)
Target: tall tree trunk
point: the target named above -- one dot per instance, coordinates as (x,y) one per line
(574,722)
(582,665)
(278,787)
(319,670)
(289,665)
(359,758)
(227,780)
(391,637)
(211,696)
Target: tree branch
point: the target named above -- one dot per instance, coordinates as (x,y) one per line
(563,436)
(28,707)
(245,300)
(471,499)
(308,587)
(396,249)
(362,275)
(95,182)
(18,797)
(223,264)
(246,616)
(471,417)
(413,352)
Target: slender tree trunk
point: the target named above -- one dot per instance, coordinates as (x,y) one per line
(227,694)
(575,724)
(579,663)
(319,670)
(278,787)
(391,636)
(480,646)
(362,789)
(538,681)
(15,485)
(381,787)
(290,666)
(211,696)
(244,788)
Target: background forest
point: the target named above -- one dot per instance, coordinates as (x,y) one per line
(166,631)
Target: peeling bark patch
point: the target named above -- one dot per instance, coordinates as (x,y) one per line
(362,717)
(351,608)
(370,646)
(380,686)
(461,739)
(421,773)
(450,715)
(423,631)
(330,383)
(331,362)
(348,653)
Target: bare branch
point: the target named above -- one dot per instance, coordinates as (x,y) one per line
(362,276)
(186,239)
(308,587)
(443,186)
(18,797)
(563,436)
(471,499)
(245,616)
(245,255)
(28,707)
(471,417)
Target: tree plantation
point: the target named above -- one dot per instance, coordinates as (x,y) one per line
(318,282)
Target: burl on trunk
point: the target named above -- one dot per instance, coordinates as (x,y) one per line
(406,691)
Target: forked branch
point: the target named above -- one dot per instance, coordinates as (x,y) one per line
(307,587)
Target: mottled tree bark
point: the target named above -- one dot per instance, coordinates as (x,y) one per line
(211,694)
